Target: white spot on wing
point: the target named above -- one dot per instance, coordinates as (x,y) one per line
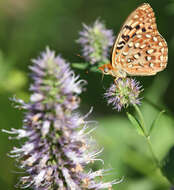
(151,65)
(125,53)
(160,44)
(130,65)
(137,45)
(130,44)
(148,35)
(143,46)
(162,50)
(148,58)
(155,39)
(149,51)
(136,56)
(161,58)
(134,24)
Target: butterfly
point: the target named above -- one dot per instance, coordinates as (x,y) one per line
(139,49)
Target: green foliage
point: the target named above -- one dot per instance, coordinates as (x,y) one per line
(155,121)
(11,79)
(135,123)
(127,153)
(168,165)
(82,66)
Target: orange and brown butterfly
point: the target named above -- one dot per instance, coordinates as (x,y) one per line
(139,49)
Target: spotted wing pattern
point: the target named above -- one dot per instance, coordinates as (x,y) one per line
(139,48)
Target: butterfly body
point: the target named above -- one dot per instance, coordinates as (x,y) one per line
(139,49)
(107,69)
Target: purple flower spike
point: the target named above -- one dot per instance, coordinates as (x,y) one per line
(96,41)
(123,93)
(57,146)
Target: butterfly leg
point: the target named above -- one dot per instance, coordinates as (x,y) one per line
(116,79)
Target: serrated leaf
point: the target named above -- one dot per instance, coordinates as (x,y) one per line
(136,124)
(81,66)
(155,121)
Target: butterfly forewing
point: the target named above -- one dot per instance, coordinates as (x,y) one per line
(139,48)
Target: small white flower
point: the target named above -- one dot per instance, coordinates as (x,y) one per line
(44,160)
(30,160)
(45,128)
(20,133)
(28,147)
(36,97)
(39,178)
(69,180)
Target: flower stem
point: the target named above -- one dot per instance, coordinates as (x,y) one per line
(140,115)
(152,152)
(147,137)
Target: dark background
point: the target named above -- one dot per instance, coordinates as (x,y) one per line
(28,26)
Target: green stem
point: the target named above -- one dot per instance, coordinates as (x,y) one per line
(140,115)
(168,112)
(147,137)
(157,163)
(152,152)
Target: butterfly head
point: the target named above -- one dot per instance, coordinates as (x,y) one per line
(107,69)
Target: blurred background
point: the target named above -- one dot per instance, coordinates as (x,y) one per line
(28,26)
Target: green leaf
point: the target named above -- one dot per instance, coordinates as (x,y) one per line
(94,69)
(140,115)
(136,124)
(155,121)
(168,165)
(81,66)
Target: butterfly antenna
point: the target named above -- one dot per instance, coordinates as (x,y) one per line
(102,77)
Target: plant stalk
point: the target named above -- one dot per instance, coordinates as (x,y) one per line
(147,137)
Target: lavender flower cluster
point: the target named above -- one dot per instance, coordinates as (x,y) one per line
(95,41)
(57,145)
(123,92)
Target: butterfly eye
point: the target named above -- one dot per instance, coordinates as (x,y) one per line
(106,70)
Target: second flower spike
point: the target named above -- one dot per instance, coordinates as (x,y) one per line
(96,41)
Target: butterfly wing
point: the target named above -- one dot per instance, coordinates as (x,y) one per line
(139,48)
